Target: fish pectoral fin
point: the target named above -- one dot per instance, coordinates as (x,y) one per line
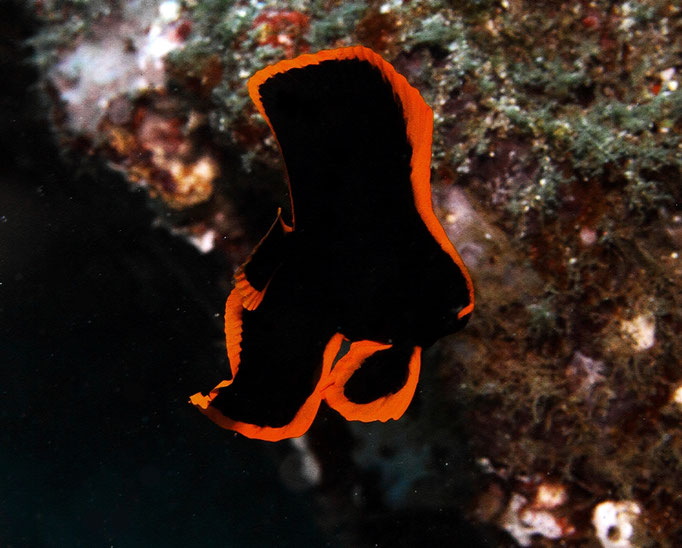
(374,381)
(253,277)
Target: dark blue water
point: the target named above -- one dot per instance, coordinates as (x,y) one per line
(106,328)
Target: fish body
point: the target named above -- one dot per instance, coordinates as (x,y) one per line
(339,305)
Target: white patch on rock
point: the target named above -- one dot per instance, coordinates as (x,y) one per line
(118,57)
(523,521)
(642,330)
(677,396)
(588,236)
(204,242)
(169,10)
(585,373)
(550,496)
(615,523)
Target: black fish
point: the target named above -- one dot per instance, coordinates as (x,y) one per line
(366,262)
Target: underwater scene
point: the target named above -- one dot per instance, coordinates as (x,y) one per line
(341,274)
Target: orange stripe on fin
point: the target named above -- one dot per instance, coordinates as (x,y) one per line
(233,339)
(383,409)
(301,421)
(233,329)
(251,297)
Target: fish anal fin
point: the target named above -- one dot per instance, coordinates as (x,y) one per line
(301,421)
(392,374)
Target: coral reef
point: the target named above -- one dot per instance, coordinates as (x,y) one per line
(557,173)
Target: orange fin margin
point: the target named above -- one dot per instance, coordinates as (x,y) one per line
(251,297)
(233,341)
(382,409)
(300,423)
